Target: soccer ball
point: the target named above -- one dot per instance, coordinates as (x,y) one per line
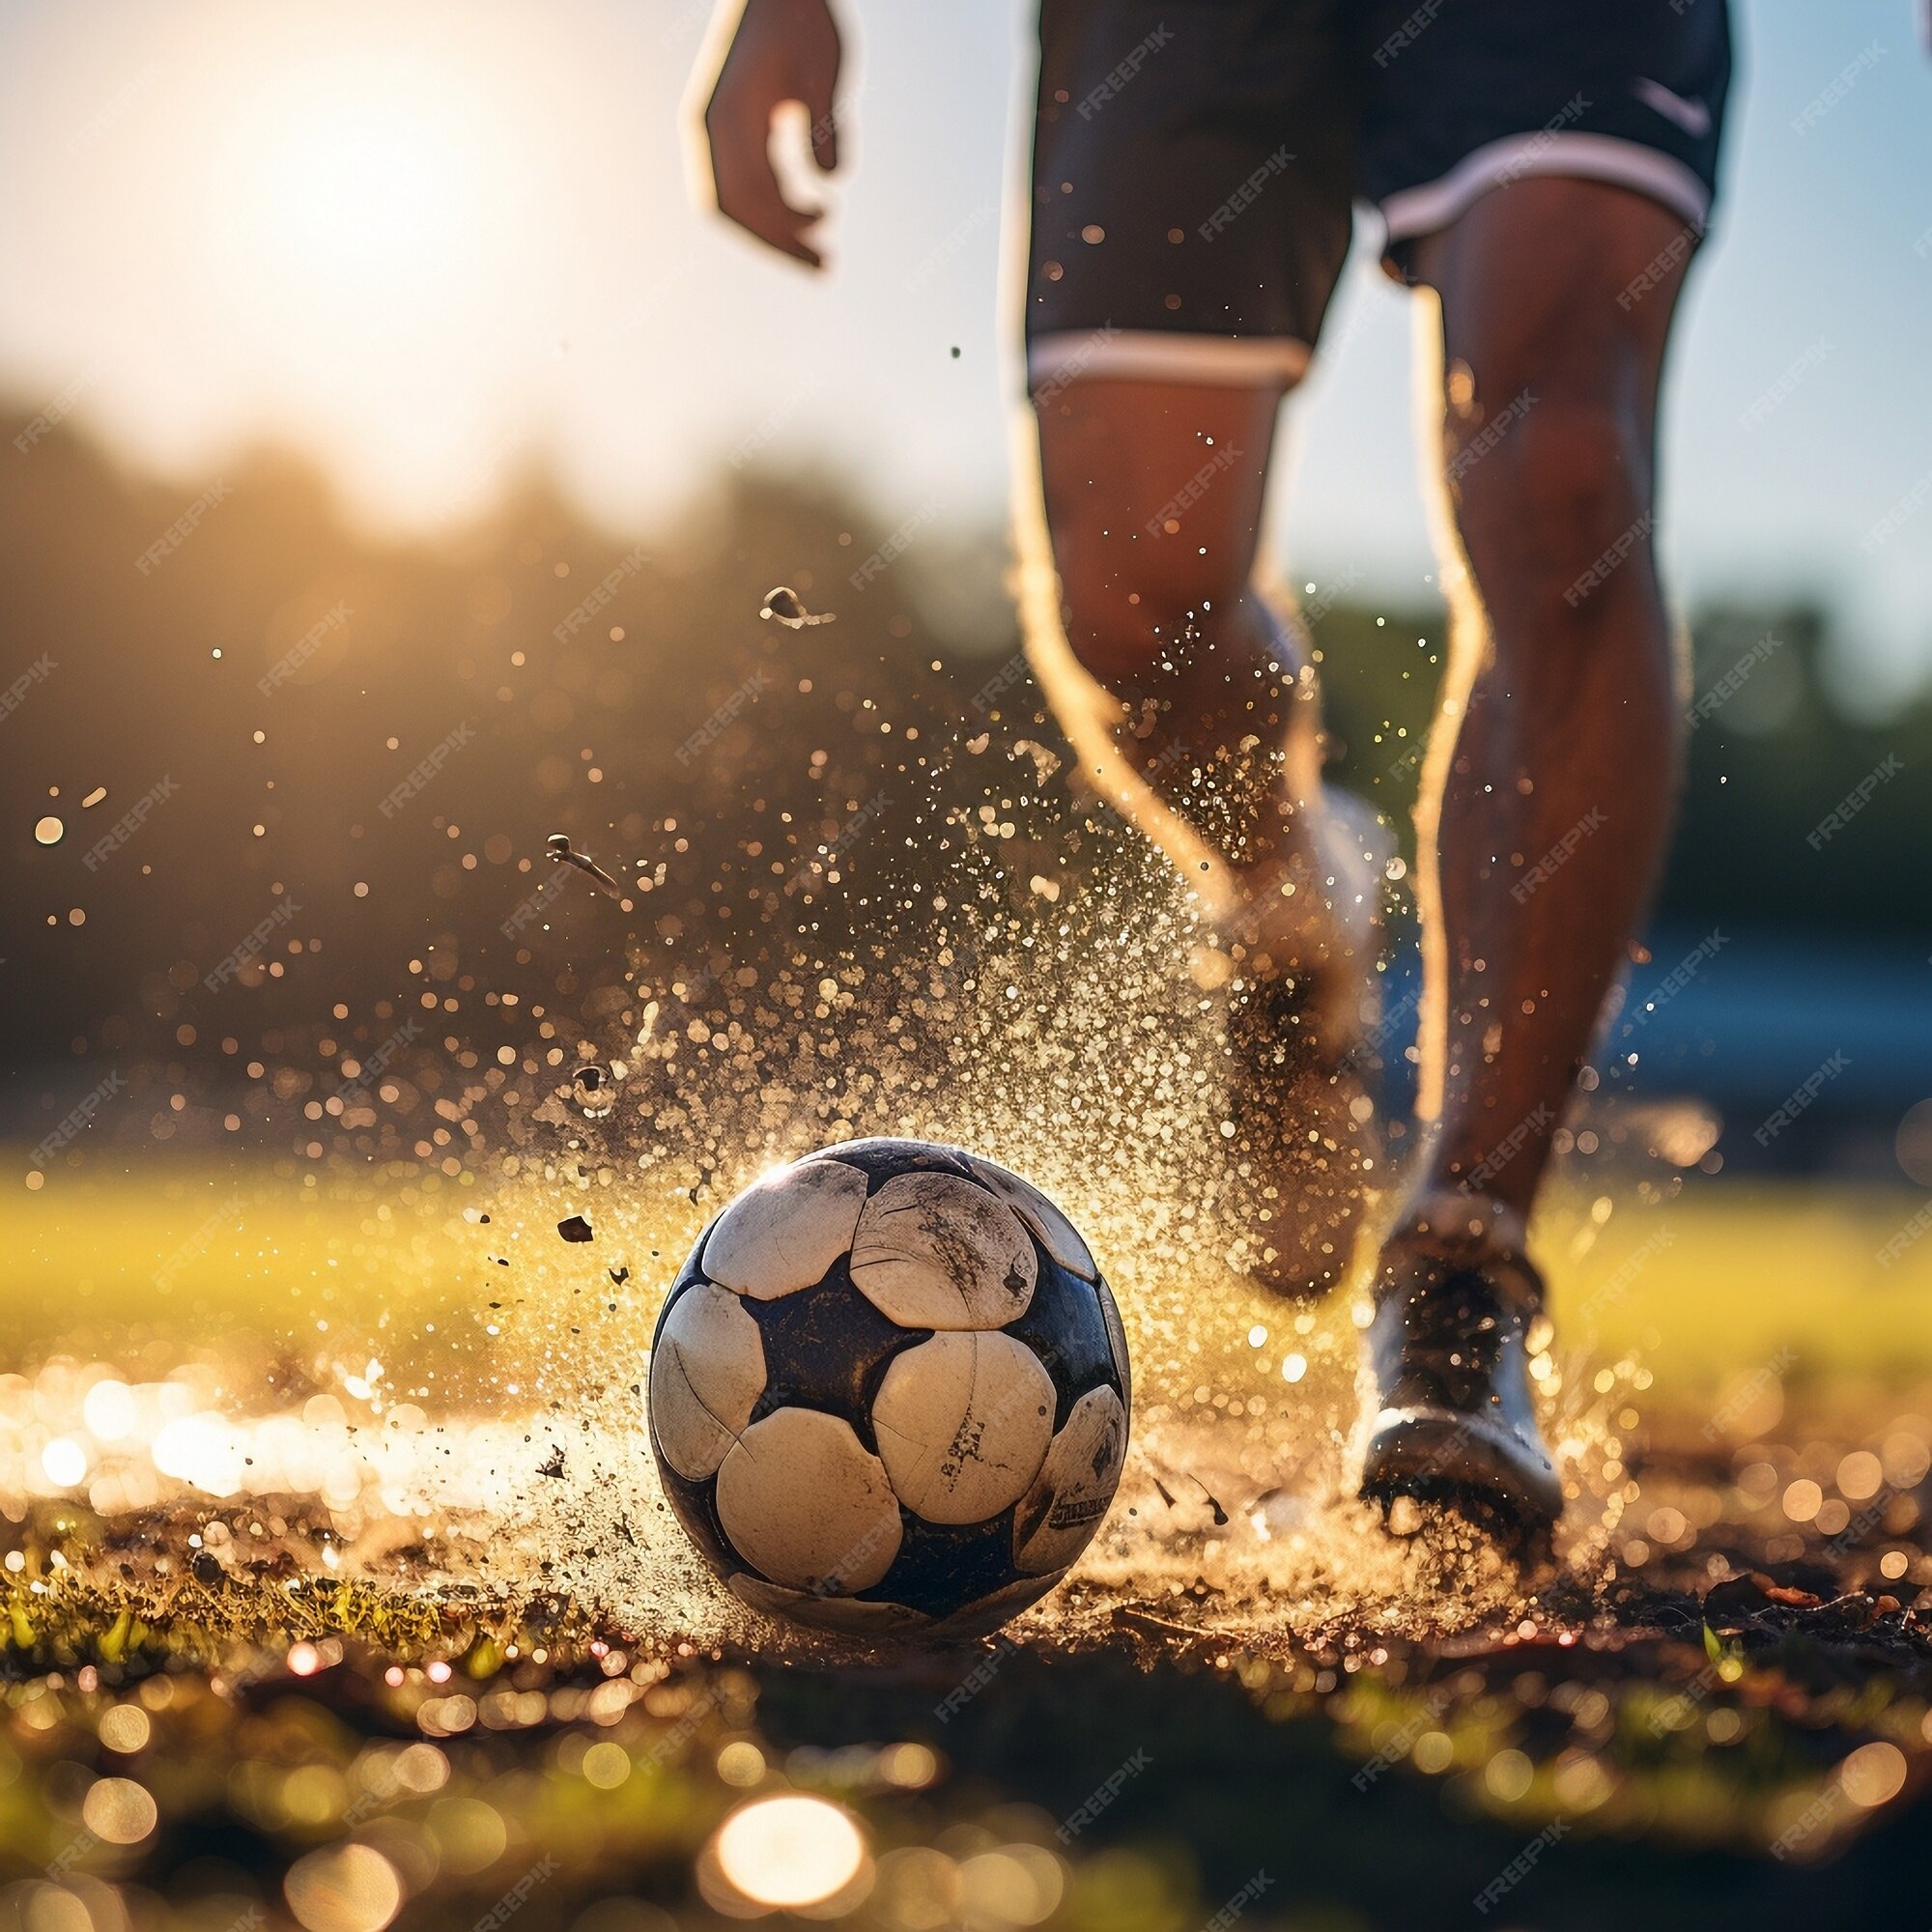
(889,1391)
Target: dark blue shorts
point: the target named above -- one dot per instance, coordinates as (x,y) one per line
(1196,162)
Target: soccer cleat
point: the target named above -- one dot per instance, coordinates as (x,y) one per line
(1450,1416)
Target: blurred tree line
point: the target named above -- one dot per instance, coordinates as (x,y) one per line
(346,755)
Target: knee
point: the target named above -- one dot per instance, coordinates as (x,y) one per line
(1129,604)
(1559,489)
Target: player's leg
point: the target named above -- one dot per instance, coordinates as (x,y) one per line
(1549,790)
(1193,706)
(1553,783)
(1194,703)
(1190,204)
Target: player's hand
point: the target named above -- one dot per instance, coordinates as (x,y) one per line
(784,52)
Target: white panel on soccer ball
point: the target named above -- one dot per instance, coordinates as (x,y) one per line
(1117,1334)
(783,1233)
(1059,1515)
(938,1251)
(996,1606)
(846,1615)
(803,1503)
(707,1373)
(963,1423)
(1058,1236)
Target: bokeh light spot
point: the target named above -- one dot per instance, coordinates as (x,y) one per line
(789,1852)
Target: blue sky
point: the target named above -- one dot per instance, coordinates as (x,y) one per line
(205,277)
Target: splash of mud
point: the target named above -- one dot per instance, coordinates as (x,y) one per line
(1023,992)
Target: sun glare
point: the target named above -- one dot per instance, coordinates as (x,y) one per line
(364,186)
(353,179)
(370,248)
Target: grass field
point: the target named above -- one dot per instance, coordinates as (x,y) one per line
(1708,1286)
(292,1696)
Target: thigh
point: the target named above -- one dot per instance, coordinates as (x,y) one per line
(1192,173)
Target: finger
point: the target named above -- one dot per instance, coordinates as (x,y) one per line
(758,207)
(824,131)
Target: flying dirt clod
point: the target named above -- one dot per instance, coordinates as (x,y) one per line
(560,854)
(784,605)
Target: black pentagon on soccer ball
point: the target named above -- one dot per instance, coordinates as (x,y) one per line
(828,1348)
(1064,1326)
(945,1567)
